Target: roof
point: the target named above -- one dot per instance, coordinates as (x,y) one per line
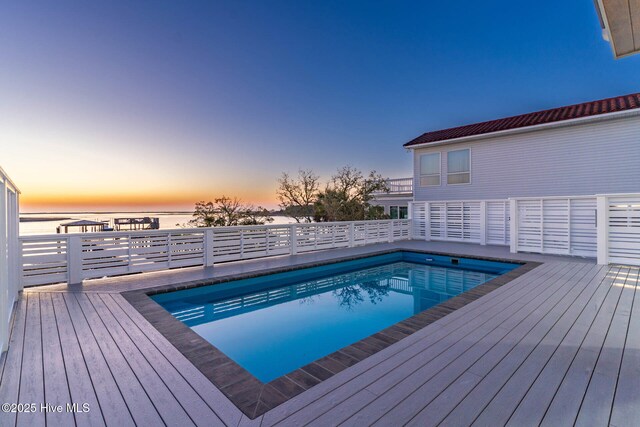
(620,23)
(81,223)
(586,109)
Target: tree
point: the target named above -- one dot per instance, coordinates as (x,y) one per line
(298,195)
(347,196)
(225,211)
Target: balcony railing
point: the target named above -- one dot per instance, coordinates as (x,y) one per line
(398,186)
(71,258)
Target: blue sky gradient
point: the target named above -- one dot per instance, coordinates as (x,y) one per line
(192,100)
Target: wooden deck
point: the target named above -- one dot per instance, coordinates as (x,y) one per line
(557,346)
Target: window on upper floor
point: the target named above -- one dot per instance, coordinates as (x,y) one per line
(429,169)
(459,167)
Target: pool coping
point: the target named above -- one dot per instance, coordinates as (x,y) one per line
(254,397)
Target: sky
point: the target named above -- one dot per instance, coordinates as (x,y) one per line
(125,105)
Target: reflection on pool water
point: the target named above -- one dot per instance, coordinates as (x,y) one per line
(274,324)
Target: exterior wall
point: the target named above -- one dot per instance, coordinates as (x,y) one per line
(387,202)
(585,159)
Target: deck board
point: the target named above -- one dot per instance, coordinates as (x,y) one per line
(626,410)
(557,345)
(141,407)
(81,387)
(56,386)
(32,378)
(190,401)
(112,404)
(10,382)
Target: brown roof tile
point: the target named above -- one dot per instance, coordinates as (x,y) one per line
(586,109)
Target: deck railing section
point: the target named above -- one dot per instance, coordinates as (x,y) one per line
(74,257)
(398,186)
(9,253)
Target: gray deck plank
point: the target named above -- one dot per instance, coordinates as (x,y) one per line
(598,400)
(32,378)
(114,408)
(165,403)
(141,407)
(193,405)
(10,383)
(533,406)
(507,399)
(80,385)
(626,408)
(340,387)
(498,372)
(496,368)
(56,387)
(438,408)
(225,410)
(553,300)
(566,402)
(404,364)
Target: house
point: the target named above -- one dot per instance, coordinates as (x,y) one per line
(536,176)
(396,200)
(581,149)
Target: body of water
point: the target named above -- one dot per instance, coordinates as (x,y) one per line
(167,220)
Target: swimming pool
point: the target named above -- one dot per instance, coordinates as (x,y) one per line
(274,324)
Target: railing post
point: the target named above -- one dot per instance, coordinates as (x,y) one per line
(293,234)
(513,225)
(427,221)
(483,222)
(74,260)
(352,234)
(208,247)
(391,239)
(602,232)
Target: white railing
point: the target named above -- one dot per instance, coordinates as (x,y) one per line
(602,226)
(9,253)
(72,258)
(398,186)
(470,221)
(619,236)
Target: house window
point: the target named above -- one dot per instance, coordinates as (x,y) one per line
(459,167)
(429,169)
(398,212)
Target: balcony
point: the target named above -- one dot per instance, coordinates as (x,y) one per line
(398,186)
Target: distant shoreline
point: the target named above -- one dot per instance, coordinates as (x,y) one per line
(43,219)
(107,212)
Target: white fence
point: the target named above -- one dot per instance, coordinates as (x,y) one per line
(619,238)
(9,254)
(556,225)
(546,225)
(74,257)
(550,225)
(472,221)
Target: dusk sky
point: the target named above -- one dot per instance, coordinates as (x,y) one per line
(152,104)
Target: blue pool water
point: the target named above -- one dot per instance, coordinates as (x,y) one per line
(274,324)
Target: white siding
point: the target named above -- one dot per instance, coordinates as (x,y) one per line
(587,159)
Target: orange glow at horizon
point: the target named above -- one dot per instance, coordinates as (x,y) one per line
(48,202)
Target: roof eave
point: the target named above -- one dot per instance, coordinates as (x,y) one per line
(558,124)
